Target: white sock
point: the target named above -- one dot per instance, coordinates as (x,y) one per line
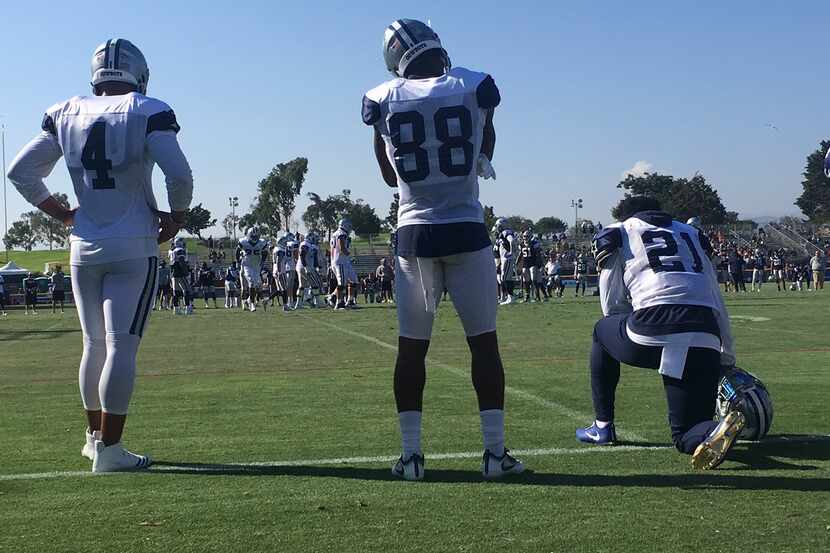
(410,423)
(602,424)
(492,430)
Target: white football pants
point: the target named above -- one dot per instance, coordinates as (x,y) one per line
(114,301)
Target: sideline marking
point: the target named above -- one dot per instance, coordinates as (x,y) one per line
(220,468)
(750,318)
(518,392)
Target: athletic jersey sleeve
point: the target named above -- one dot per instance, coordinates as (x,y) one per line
(371,111)
(487,93)
(164,149)
(827,164)
(605,244)
(613,294)
(35,162)
(705,244)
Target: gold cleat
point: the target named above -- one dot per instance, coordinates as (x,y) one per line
(714,448)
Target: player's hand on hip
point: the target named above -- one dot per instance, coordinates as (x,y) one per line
(167,227)
(484,168)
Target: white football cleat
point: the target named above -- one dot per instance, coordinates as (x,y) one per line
(409,469)
(493,467)
(507,301)
(88,450)
(116,458)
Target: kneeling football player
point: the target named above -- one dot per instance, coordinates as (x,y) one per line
(662,310)
(442,241)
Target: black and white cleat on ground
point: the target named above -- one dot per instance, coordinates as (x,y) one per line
(493,468)
(411,468)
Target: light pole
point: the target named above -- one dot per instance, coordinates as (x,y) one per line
(577,205)
(234,203)
(5,205)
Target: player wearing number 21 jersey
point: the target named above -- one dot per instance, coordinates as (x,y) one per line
(433,137)
(110,142)
(662,310)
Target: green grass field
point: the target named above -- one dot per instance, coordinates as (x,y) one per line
(247,415)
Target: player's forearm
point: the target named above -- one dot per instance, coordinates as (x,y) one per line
(33,164)
(53,208)
(165,151)
(386,169)
(488,139)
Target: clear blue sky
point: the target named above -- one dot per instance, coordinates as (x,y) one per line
(588,91)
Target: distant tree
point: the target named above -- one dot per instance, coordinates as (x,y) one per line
(196,219)
(682,198)
(489,217)
(814,201)
(47,230)
(229,223)
(276,198)
(324,214)
(519,223)
(392,219)
(364,219)
(547,225)
(20,235)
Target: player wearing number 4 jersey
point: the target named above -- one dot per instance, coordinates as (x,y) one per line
(663,310)
(433,137)
(110,142)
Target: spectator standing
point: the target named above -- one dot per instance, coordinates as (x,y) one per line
(57,285)
(817,265)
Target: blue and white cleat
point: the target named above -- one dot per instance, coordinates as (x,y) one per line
(596,435)
(493,467)
(411,468)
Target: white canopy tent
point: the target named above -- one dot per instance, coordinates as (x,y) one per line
(11,269)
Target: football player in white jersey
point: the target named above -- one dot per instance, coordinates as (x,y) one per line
(827,164)
(341,264)
(304,268)
(433,138)
(507,243)
(110,142)
(253,251)
(662,310)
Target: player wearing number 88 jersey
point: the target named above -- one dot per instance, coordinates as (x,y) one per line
(434,136)
(110,143)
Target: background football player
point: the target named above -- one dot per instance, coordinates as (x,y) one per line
(164,296)
(232,286)
(507,244)
(207,280)
(433,134)
(341,264)
(180,272)
(580,273)
(110,142)
(304,269)
(662,310)
(253,250)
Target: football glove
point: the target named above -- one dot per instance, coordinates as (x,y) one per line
(484,168)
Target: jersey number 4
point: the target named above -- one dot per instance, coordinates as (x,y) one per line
(94,157)
(442,132)
(669,249)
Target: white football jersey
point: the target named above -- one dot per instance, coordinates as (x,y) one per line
(176,253)
(663,263)
(338,256)
(304,260)
(433,131)
(253,253)
(506,242)
(109,144)
(103,139)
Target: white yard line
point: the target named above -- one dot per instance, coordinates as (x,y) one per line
(582,418)
(219,468)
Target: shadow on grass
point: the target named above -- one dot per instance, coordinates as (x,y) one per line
(13,335)
(753,455)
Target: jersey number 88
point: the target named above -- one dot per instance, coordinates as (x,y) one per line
(442,132)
